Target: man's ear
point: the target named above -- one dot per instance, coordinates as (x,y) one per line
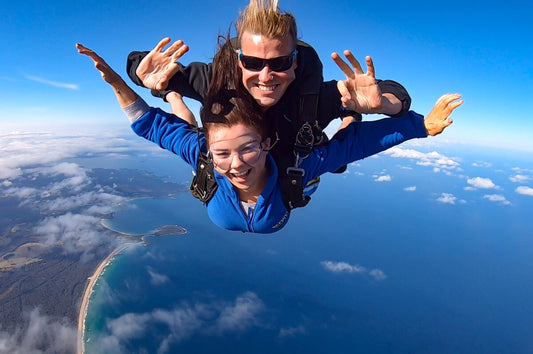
(240,64)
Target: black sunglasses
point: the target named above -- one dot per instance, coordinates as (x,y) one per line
(275,64)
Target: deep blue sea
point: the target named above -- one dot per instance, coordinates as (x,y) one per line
(368,266)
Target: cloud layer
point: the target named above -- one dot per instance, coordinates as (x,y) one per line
(34,170)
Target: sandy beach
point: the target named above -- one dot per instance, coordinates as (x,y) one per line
(91,281)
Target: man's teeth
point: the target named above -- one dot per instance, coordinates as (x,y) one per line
(240,174)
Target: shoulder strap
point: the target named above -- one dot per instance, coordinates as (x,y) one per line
(303,144)
(309,133)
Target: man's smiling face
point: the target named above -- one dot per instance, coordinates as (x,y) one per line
(266,86)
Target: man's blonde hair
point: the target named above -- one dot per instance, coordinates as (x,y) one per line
(263,17)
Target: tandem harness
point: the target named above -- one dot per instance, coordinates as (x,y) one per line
(204,185)
(308,134)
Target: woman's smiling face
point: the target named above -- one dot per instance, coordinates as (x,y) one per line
(238,153)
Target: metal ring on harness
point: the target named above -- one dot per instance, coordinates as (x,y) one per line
(304,142)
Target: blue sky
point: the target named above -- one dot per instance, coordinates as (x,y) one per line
(479,49)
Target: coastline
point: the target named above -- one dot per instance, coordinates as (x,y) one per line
(103,223)
(91,281)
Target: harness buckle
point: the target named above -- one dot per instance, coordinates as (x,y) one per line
(295,172)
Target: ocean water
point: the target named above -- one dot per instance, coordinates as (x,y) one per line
(367,267)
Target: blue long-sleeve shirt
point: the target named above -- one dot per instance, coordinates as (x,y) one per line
(355,142)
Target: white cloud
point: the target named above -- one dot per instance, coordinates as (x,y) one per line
(94,203)
(343,267)
(384,178)
(482,164)
(22,192)
(378,274)
(7,171)
(447,198)
(521,170)
(241,315)
(52,83)
(64,168)
(410,189)
(180,323)
(432,159)
(497,198)
(524,190)
(483,183)
(75,233)
(157,278)
(130,325)
(292,331)
(519,178)
(338,267)
(42,332)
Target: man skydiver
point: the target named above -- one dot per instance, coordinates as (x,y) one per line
(284,76)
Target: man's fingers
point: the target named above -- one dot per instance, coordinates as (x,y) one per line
(170,71)
(342,65)
(449,102)
(162,43)
(446,99)
(180,52)
(370,70)
(173,48)
(456,104)
(161,84)
(343,90)
(358,69)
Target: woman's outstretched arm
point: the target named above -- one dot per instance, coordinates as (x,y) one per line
(125,95)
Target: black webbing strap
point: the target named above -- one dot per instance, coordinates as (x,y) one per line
(303,144)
